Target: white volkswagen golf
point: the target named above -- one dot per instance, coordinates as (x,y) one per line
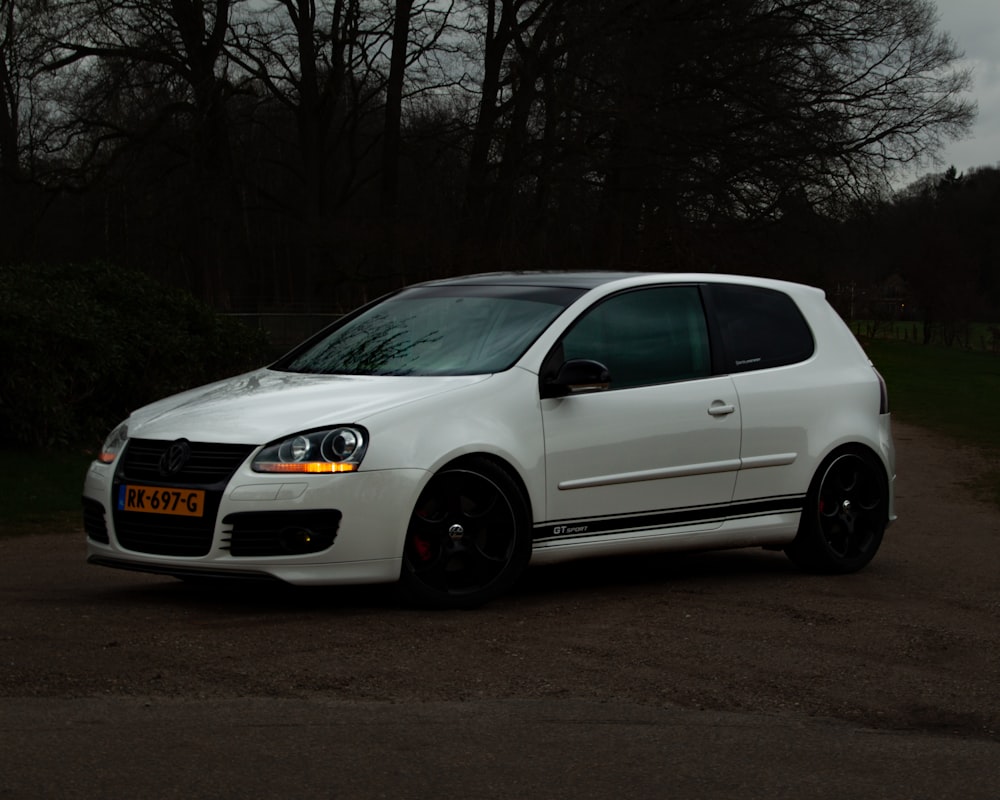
(450,433)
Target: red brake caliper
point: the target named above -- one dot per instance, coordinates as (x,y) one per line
(421,545)
(423,548)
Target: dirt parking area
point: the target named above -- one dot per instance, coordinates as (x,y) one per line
(710,675)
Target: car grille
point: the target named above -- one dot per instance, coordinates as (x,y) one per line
(208,464)
(94,522)
(208,467)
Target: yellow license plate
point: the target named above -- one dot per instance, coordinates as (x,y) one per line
(160,500)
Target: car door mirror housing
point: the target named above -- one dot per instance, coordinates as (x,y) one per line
(578,376)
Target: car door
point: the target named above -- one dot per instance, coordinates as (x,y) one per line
(660,447)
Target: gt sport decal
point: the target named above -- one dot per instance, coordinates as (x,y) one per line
(665,519)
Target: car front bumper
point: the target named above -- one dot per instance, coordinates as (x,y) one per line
(263,528)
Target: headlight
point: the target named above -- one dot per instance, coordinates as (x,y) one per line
(113,444)
(327,450)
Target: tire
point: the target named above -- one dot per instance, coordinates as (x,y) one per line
(469,537)
(845,515)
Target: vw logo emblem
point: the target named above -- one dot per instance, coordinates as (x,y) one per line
(175,457)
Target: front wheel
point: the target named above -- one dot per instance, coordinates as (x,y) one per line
(846,511)
(469,537)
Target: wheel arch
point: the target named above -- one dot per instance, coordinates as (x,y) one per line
(856,447)
(467,459)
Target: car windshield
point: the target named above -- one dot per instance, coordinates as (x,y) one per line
(443,330)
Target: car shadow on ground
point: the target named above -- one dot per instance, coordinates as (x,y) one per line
(688,572)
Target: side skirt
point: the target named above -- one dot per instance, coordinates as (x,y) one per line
(662,521)
(772,531)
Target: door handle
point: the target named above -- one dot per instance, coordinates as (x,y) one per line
(720,409)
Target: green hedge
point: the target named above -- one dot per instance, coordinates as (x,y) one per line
(84,344)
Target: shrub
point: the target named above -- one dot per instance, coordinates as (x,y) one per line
(85,344)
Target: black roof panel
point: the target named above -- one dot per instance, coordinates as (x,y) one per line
(562,280)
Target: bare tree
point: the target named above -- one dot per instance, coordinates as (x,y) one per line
(346,71)
(496,25)
(307,63)
(349,138)
(11,89)
(15,60)
(31,125)
(668,114)
(171,51)
(394,107)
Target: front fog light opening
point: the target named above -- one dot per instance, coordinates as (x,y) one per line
(298,540)
(281,533)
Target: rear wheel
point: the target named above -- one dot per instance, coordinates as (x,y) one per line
(469,537)
(845,515)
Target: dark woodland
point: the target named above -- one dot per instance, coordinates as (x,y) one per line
(308,155)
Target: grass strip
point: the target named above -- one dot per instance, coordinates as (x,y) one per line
(954,392)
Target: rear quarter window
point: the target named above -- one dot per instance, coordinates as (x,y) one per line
(760,328)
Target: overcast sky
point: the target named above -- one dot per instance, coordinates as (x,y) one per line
(975,27)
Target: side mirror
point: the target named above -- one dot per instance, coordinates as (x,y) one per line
(577,376)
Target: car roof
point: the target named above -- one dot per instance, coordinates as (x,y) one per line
(591,279)
(554,279)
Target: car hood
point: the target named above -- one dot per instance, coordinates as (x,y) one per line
(264,405)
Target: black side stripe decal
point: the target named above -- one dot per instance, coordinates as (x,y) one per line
(665,519)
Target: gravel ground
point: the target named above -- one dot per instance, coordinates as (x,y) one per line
(908,647)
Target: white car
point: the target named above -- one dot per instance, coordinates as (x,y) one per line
(450,433)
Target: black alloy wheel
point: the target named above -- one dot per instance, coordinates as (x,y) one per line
(845,516)
(469,537)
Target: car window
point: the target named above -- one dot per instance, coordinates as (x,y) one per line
(646,336)
(760,327)
(461,330)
